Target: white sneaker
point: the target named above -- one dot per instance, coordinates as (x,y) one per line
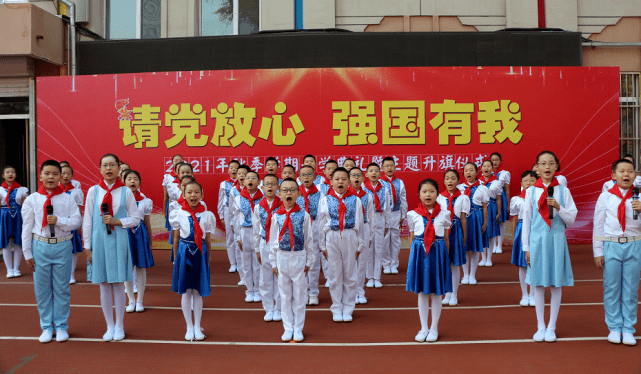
(387,270)
(628,339)
(135,288)
(198,334)
(453,301)
(327,283)
(233,269)
(465,280)
(550,336)
(370,283)
(614,337)
(362,300)
(482,263)
(277,316)
(139,308)
(337,318)
(488,263)
(257,298)
(61,336)
(446,299)
(472,281)
(189,336)
(378,284)
(109,335)
(525,301)
(347,318)
(72,280)
(394,270)
(499,250)
(356,301)
(421,336)
(131,307)
(269,316)
(46,336)
(287,336)
(432,336)
(9,273)
(249,298)
(313,300)
(531,301)
(540,335)
(16,273)
(298,336)
(119,334)
(242,283)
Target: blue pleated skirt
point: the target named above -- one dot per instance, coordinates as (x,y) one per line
(10,226)
(518,256)
(140,247)
(457,246)
(492,230)
(429,274)
(504,205)
(476,241)
(191,269)
(77,242)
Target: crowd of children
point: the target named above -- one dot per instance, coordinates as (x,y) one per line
(282,231)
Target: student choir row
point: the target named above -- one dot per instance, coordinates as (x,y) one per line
(282,231)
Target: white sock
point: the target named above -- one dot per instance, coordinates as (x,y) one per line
(522,274)
(466,265)
(484,254)
(142,283)
(106,301)
(129,289)
(539,305)
(74,262)
(6,256)
(474,263)
(437,303)
(502,227)
(488,257)
(531,292)
(135,277)
(423,310)
(17,256)
(198,309)
(185,303)
(456,279)
(555,305)
(119,303)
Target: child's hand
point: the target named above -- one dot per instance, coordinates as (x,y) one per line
(552,202)
(483,228)
(498,216)
(599,262)
(32,264)
(527,258)
(222,221)
(636,205)
(240,245)
(275,271)
(325,254)
(400,225)
(109,220)
(88,254)
(385,233)
(258,257)
(306,270)
(52,220)
(357,254)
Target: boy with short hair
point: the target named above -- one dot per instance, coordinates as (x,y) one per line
(310,160)
(291,254)
(51,253)
(289,171)
(382,210)
(367,199)
(330,166)
(397,216)
(233,217)
(223,212)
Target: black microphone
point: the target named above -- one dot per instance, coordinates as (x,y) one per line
(635,197)
(50,213)
(550,207)
(105,210)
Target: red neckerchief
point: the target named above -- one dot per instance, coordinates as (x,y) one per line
(497,170)
(275,204)
(342,209)
(429,234)
(68,188)
(288,223)
(305,193)
(543,203)
(360,195)
(377,201)
(177,181)
(257,195)
(173,173)
(451,198)
(139,197)
(522,194)
(56,191)
(387,179)
(468,190)
(198,231)
(180,200)
(14,186)
(621,210)
(488,181)
(230,180)
(237,185)
(107,198)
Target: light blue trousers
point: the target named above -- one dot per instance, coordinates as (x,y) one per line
(621,285)
(51,282)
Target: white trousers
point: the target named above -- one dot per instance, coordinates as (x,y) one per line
(231,243)
(362,261)
(392,240)
(314,271)
(292,288)
(251,267)
(341,253)
(268,282)
(374,263)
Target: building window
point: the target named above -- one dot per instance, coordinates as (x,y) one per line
(229,17)
(133,19)
(629,112)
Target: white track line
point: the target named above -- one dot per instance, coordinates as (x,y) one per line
(507,341)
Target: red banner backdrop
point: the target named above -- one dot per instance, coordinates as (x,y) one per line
(428,119)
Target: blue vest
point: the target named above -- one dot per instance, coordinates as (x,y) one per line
(397,185)
(365,202)
(350,216)
(246,210)
(298,221)
(228,186)
(313,204)
(324,187)
(318,180)
(381,195)
(262,214)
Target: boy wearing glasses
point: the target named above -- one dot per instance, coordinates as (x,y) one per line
(291,254)
(310,160)
(309,200)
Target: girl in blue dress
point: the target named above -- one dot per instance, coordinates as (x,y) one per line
(544,242)
(140,239)
(428,270)
(12,196)
(192,227)
(494,187)
(106,242)
(504,177)
(76,193)
(459,206)
(528,178)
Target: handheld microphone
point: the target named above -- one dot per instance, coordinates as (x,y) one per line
(50,213)
(105,210)
(550,207)
(635,197)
